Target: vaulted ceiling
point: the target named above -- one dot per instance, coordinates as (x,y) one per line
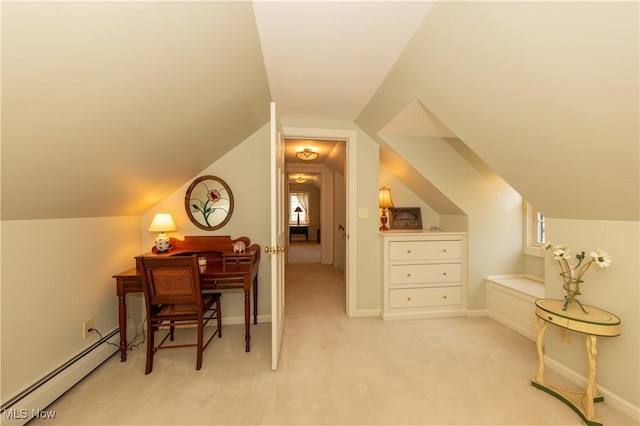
(107,107)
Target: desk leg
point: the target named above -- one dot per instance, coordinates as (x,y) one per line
(247,319)
(541,325)
(122,321)
(255,300)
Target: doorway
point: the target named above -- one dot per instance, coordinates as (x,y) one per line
(329,228)
(316,197)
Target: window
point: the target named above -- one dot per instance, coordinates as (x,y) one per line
(298,200)
(535,232)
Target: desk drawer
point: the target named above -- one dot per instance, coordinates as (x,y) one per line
(432,273)
(425,250)
(424,297)
(219,283)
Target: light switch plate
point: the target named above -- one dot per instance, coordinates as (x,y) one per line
(363,212)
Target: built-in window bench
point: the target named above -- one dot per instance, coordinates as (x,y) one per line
(511,301)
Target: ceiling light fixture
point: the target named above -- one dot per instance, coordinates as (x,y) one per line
(300,179)
(307,154)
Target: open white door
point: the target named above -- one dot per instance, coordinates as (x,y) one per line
(277,238)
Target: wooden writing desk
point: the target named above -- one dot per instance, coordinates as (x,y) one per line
(595,322)
(224,270)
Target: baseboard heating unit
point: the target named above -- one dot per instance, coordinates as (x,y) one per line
(32,401)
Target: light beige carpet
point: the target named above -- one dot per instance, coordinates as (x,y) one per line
(304,252)
(333,371)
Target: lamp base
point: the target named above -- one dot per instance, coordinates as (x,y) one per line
(163,244)
(383,219)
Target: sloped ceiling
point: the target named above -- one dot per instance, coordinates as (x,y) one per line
(546,93)
(109,106)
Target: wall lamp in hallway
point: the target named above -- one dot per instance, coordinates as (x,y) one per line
(384,197)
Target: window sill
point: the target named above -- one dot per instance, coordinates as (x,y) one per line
(537,251)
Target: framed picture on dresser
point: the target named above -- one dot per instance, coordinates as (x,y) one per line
(405,218)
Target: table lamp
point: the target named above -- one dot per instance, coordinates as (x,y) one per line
(161,223)
(298,210)
(384,197)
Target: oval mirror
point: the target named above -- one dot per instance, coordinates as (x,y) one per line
(209,202)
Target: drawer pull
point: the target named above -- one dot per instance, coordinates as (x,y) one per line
(408,299)
(408,251)
(444,250)
(408,275)
(550,318)
(444,273)
(444,297)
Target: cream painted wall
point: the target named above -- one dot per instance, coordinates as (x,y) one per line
(534,266)
(245,169)
(493,208)
(615,289)
(369,279)
(56,273)
(404,197)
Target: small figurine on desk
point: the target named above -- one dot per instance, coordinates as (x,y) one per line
(239,247)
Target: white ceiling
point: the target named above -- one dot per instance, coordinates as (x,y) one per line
(325,59)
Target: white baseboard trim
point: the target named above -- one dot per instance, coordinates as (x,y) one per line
(33,400)
(611,398)
(366,313)
(477,313)
(240,320)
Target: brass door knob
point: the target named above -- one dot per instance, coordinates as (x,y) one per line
(274,250)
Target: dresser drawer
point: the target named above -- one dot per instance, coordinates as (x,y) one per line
(425,250)
(424,297)
(431,273)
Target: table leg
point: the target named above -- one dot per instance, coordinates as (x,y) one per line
(541,325)
(122,321)
(591,378)
(247,320)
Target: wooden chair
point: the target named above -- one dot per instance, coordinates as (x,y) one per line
(174,298)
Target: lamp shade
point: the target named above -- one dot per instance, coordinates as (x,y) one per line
(384,197)
(162,222)
(298,210)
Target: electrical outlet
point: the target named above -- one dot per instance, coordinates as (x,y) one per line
(564,334)
(86,325)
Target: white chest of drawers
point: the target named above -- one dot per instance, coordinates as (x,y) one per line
(424,274)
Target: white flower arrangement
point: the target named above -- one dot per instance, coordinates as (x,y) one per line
(573,276)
